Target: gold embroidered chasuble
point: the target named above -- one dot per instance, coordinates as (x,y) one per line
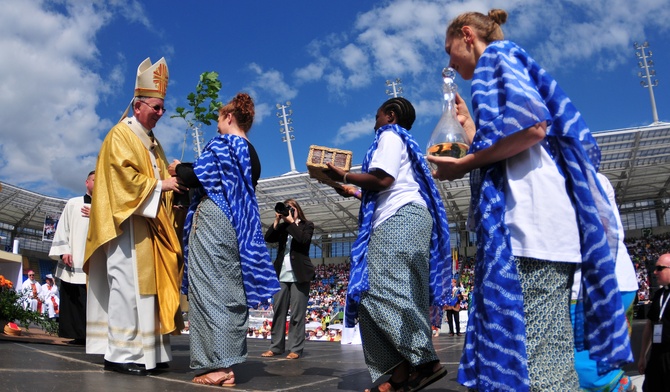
(124,180)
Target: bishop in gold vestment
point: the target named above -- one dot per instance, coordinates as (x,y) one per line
(133,253)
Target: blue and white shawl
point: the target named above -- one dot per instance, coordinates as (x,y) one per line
(440,254)
(224,171)
(511,92)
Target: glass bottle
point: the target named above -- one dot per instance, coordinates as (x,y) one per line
(448,137)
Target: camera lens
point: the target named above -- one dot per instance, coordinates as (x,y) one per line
(280,208)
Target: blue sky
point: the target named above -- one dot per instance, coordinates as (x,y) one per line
(67,69)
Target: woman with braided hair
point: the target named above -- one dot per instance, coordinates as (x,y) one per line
(400,262)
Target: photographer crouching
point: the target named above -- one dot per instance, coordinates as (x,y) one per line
(293,232)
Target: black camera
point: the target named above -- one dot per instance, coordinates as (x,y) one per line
(283,209)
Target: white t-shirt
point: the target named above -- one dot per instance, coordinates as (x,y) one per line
(623,269)
(391,157)
(540,216)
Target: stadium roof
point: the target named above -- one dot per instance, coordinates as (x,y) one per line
(636,160)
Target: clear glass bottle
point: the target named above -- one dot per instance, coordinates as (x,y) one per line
(448,137)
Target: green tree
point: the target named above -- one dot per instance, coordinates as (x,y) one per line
(204,105)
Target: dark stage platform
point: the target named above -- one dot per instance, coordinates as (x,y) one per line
(39,363)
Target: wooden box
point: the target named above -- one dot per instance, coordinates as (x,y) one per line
(319,156)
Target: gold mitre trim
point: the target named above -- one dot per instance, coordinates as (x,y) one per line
(152,79)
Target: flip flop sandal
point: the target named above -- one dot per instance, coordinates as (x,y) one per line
(425,377)
(395,386)
(205,379)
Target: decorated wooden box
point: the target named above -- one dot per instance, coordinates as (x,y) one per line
(319,156)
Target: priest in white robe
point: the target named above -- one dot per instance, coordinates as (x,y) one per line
(30,293)
(50,298)
(68,248)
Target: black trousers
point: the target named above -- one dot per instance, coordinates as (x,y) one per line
(72,316)
(453,316)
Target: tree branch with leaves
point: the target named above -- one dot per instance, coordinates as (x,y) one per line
(204,106)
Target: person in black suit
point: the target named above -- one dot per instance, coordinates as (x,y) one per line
(655,365)
(295,272)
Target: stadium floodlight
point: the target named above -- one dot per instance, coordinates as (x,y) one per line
(286,130)
(646,63)
(198,141)
(396,89)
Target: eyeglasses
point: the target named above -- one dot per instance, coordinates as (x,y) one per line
(660,268)
(156,108)
(31,274)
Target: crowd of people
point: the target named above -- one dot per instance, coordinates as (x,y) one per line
(328,289)
(325,306)
(323,332)
(644,252)
(41,298)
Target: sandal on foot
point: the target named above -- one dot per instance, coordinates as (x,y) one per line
(227,380)
(625,385)
(424,376)
(392,387)
(268,353)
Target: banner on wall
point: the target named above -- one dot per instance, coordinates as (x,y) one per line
(50,223)
(454,257)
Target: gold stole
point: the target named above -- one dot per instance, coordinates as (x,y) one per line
(125,178)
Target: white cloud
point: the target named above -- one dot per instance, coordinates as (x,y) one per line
(355,61)
(263,110)
(354,130)
(50,87)
(267,89)
(364,128)
(599,33)
(133,11)
(54,80)
(47,93)
(401,34)
(425,108)
(391,40)
(406,37)
(335,82)
(272,82)
(311,72)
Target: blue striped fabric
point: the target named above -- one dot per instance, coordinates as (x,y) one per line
(511,92)
(224,171)
(440,254)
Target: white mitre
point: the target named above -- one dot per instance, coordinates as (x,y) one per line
(151,81)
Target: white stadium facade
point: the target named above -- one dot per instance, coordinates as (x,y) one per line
(636,160)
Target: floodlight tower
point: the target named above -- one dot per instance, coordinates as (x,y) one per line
(396,89)
(647,75)
(286,130)
(197,141)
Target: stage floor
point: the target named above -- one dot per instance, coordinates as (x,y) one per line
(36,362)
